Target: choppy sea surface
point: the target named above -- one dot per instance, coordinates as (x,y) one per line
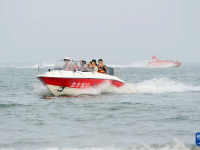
(157,109)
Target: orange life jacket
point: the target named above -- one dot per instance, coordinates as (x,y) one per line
(85,68)
(75,67)
(92,67)
(101,69)
(68,66)
(79,68)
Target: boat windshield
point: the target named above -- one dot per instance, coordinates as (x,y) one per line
(71,66)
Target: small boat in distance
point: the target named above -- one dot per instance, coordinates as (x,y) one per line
(164,63)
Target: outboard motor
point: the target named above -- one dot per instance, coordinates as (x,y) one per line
(110,71)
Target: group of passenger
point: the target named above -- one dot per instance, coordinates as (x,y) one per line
(84,67)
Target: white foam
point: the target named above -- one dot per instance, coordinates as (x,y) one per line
(40,90)
(161,85)
(44,65)
(175,145)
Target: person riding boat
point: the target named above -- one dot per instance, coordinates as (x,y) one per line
(82,62)
(85,67)
(67,66)
(101,67)
(75,67)
(89,65)
(94,65)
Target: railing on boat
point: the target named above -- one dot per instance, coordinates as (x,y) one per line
(116,70)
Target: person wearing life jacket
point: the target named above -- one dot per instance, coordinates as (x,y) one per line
(89,65)
(93,66)
(67,66)
(101,67)
(81,64)
(85,67)
(79,68)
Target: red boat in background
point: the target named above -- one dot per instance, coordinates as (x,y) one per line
(164,63)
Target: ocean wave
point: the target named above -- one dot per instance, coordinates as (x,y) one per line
(10,105)
(175,145)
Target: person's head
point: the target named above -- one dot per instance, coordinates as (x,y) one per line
(93,62)
(66,59)
(82,62)
(100,61)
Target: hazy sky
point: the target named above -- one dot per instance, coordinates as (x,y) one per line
(118,31)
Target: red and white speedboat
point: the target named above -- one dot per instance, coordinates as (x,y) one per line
(165,63)
(159,63)
(62,81)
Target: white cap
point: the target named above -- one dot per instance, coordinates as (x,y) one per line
(66,58)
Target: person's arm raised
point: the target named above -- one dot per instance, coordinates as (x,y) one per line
(105,67)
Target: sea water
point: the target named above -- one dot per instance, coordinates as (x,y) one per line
(157,109)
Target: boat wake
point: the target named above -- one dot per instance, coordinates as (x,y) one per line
(160,85)
(156,85)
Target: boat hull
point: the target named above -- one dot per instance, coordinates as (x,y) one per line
(73,86)
(67,91)
(165,64)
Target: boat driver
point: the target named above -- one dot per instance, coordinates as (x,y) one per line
(101,67)
(67,65)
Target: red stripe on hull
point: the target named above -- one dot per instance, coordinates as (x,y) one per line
(77,82)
